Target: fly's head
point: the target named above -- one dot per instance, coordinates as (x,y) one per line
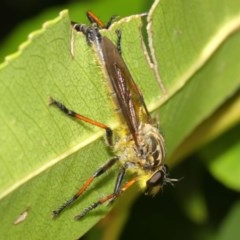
(158,179)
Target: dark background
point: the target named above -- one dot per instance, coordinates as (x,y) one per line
(13,12)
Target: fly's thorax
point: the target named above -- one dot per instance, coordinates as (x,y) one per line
(124,145)
(151,149)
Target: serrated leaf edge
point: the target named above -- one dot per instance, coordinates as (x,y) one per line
(31,37)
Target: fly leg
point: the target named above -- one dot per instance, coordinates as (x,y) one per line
(71,113)
(94,19)
(109,197)
(119,38)
(99,172)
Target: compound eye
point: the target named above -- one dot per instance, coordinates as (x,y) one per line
(156,179)
(155,183)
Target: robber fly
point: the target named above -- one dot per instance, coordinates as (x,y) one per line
(140,146)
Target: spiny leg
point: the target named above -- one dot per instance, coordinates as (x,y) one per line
(110,21)
(99,172)
(71,113)
(110,197)
(119,38)
(119,180)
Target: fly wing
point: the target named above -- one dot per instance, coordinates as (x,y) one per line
(129,97)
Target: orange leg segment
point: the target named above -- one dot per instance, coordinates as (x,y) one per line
(99,172)
(94,19)
(109,198)
(73,114)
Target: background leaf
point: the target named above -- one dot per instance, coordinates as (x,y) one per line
(221,158)
(229,228)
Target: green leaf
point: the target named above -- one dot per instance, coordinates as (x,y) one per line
(230,226)
(45,156)
(224,118)
(221,157)
(196,58)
